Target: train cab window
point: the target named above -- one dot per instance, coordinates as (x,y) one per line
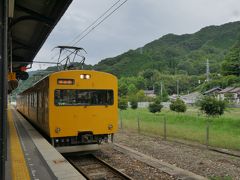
(76,97)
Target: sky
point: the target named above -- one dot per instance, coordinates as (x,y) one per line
(133,25)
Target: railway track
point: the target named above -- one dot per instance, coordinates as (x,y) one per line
(94,168)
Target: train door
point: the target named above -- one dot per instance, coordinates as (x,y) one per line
(43,107)
(46,120)
(40,108)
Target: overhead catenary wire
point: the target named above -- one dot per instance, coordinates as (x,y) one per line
(94,22)
(94,25)
(87,28)
(100,22)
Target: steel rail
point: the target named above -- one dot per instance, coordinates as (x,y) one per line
(96,163)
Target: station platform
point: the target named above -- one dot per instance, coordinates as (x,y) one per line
(30,156)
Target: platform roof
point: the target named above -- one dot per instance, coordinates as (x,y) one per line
(33,21)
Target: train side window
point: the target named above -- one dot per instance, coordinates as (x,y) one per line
(40,99)
(35,100)
(32,100)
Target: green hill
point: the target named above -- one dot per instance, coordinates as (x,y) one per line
(170,58)
(177,54)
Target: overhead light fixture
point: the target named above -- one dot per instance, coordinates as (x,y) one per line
(11,8)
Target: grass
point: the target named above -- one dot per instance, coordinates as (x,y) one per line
(224,130)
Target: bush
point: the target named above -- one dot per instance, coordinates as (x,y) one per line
(123,103)
(155,106)
(212,106)
(178,105)
(134,104)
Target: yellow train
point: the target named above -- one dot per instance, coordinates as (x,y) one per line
(74,108)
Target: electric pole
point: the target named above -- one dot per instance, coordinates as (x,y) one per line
(161,90)
(141,50)
(178,88)
(207,70)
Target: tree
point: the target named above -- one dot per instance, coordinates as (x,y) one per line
(140,96)
(212,106)
(132,90)
(122,103)
(157,88)
(140,83)
(178,105)
(134,103)
(155,106)
(122,88)
(164,97)
(231,64)
(148,74)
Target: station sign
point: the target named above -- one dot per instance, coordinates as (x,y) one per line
(11,76)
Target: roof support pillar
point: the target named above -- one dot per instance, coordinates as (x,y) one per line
(3,85)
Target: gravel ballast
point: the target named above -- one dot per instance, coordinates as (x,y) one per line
(130,166)
(198,160)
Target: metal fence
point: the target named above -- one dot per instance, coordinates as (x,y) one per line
(203,133)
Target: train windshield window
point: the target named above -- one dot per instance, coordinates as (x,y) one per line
(76,97)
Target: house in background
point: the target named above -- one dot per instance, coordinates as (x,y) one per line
(224,93)
(230,94)
(149,93)
(213,92)
(189,99)
(236,95)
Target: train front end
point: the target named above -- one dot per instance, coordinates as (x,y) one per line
(83,109)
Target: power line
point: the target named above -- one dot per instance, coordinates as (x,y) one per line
(91,27)
(79,35)
(95,21)
(100,22)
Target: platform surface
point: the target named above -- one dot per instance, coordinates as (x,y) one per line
(30,156)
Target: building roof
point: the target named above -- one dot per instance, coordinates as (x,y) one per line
(149,92)
(226,90)
(213,90)
(193,95)
(235,90)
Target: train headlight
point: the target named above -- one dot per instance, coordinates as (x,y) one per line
(57,130)
(85,76)
(110,127)
(82,76)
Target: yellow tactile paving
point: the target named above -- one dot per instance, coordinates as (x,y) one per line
(19,168)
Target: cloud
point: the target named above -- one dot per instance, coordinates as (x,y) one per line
(136,23)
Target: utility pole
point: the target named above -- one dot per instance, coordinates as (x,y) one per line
(161,88)
(207,70)
(178,88)
(3,84)
(141,50)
